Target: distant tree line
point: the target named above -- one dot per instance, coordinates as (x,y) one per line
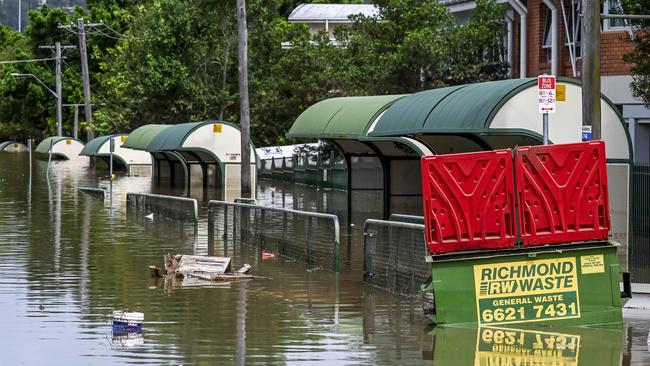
(171,61)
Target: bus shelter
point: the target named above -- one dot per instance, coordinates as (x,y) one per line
(378,169)
(61,148)
(209,151)
(132,162)
(13,146)
(504,114)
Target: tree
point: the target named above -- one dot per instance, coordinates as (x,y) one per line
(640,56)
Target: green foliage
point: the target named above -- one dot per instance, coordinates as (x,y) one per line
(170,61)
(640,56)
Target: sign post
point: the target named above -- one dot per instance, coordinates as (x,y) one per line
(546,100)
(110,172)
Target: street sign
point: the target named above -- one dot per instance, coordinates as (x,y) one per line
(546,93)
(586,133)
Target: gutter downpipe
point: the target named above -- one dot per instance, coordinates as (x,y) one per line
(554,36)
(521,10)
(511,45)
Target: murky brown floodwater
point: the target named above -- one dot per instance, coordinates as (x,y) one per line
(66,262)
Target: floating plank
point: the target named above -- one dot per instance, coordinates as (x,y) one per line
(192,264)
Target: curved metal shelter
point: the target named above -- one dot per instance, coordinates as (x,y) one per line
(61,147)
(494,115)
(13,146)
(378,168)
(133,162)
(210,148)
(483,116)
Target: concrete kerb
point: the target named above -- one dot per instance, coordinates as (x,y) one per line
(180,208)
(335,221)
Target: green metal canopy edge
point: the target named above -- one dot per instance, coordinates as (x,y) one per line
(7,143)
(44,146)
(172,138)
(345,117)
(93,146)
(463,108)
(140,138)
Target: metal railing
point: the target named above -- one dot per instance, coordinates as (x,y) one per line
(394,256)
(407,218)
(179,208)
(309,237)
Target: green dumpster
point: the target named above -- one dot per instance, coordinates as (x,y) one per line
(557,285)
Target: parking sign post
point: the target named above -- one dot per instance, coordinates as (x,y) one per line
(546,101)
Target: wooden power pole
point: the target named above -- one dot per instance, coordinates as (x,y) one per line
(244,106)
(591,67)
(86,78)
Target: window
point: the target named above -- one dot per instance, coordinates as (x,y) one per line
(547,40)
(573,40)
(613,7)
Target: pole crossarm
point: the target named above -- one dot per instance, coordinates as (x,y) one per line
(8,62)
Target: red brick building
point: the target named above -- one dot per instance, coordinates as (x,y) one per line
(537,49)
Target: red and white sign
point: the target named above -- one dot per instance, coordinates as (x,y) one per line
(546,93)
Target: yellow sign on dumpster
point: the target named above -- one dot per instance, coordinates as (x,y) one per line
(527,291)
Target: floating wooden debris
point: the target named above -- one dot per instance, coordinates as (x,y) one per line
(212,269)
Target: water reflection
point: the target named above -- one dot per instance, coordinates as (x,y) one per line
(66,262)
(492,346)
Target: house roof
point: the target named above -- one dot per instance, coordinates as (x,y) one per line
(331,12)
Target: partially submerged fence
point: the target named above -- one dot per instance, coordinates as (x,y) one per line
(94,192)
(309,237)
(394,256)
(407,218)
(179,208)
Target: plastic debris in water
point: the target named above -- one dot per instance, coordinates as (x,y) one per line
(150,216)
(269,255)
(127,321)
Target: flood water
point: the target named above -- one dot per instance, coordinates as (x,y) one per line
(67,261)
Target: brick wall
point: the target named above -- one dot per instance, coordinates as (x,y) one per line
(613,45)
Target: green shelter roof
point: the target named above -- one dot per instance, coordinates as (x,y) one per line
(140,138)
(464,108)
(44,146)
(346,117)
(173,137)
(7,143)
(93,146)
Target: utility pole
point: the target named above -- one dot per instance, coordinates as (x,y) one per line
(59,86)
(75,124)
(244,107)
(84,74)
(20,15)
(591,68)
(59,100)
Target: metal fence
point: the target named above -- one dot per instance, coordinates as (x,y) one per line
(394,256)
(179,208)
(407,218)
(309,237)
(640,224)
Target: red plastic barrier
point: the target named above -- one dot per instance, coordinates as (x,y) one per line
(468,201)
(562,193)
